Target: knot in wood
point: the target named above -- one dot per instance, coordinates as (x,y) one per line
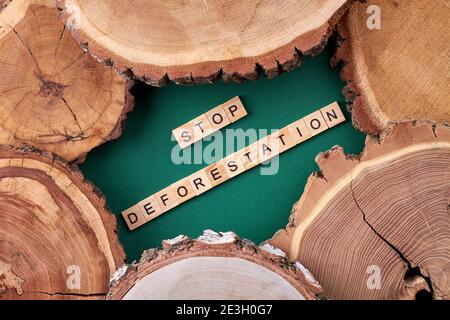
(51,89)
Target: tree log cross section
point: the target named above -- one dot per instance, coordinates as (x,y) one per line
(53,95)
(377,226)
(215,266)
(202,41)
(399,71)
(57,239)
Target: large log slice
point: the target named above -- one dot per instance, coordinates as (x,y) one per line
(377,226)
(53,95)
(214,266)
(202,41)
(400,71)
(57,239)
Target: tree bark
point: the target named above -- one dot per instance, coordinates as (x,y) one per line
(53,95)
(399,71)
(214,266)
(377,226)
(202,41)
(57,239)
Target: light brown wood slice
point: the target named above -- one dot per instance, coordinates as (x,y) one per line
(54,227)
(214,266)
(400,71)
(53,95)
(202,41)
(385,211)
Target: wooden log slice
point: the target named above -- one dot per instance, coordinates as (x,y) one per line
(57,239)
(52,94)
(214,266)
(202,41)
(377,226)
(400,71)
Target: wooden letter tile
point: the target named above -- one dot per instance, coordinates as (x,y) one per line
(167,199)
(150,208)
(133,217)
(249,156)
(233,165)
(282,140)
(217,173)
(333,115)
(183,190)
(235,109)
(267,148)
(201,127)
(315,123)
(184,135)
(299,131)
(200,182)
(218,118)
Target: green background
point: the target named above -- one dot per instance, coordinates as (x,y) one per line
(254,206)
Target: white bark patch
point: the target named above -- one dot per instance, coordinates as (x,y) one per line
(174,241)
(8,280)
(118,274)
(267,247)
(308,275)
(212,237)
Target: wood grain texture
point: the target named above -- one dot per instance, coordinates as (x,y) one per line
(202,41)
(214,266)
(401,71)
(387,208)
(52,222)
(53,95)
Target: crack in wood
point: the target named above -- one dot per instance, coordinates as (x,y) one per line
(74,116)
(27,48)
(62,32)
(411,271)
(86,295)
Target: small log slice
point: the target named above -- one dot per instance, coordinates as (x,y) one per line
(400,71)
(202,41)
(214,266)
(57,239)
(377,226)
(53,95)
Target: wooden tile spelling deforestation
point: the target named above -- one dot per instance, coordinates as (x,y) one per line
(203,41)
(384,213)
(53,95)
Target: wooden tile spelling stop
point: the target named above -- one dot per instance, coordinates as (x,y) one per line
(209,122)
